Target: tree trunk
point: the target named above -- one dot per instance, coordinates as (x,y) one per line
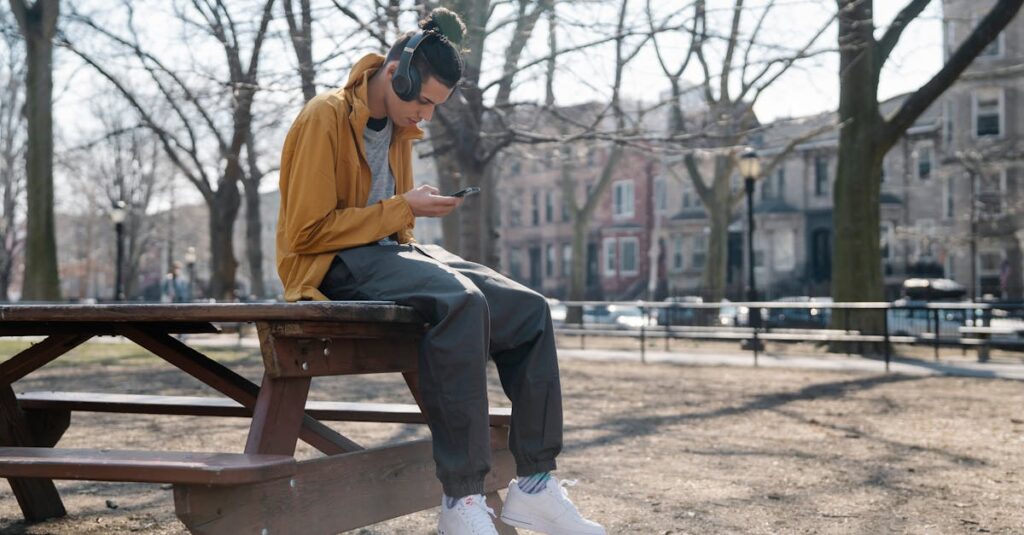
(857,256)
(223,211)
(41,281)
(254,239)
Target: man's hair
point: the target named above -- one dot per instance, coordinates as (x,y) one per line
(439,54)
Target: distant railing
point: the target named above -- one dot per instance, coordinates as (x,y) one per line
(979,326)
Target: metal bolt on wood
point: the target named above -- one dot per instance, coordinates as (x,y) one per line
(305,365)
(291,483)
(264,531)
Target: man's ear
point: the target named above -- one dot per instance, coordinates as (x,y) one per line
(390,68)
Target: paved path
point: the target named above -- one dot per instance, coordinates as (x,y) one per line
(1002,370)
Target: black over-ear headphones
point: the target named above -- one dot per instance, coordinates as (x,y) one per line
(406,80)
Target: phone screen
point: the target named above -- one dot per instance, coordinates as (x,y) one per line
(464,192)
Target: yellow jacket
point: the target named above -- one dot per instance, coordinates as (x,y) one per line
(325,183)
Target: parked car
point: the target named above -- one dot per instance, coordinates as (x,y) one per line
(916,321)
(680,315)
(558,311)
(799,317)
(631,317)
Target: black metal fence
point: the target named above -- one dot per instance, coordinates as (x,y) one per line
(868,327)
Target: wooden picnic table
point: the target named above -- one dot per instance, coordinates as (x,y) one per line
(258,487)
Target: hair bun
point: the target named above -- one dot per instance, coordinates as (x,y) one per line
(446,23)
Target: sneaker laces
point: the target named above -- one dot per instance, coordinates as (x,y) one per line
(564,493)
(474,514)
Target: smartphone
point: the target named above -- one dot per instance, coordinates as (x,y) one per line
(465,192)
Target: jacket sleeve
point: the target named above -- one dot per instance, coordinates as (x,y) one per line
(312,221)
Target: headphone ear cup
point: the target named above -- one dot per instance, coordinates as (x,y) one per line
(400,83)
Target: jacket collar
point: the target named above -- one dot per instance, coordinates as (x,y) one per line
(355,90)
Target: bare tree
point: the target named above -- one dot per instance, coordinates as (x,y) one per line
(867,137)
(730,95)
(38,24)
(582,210)
(123,164)
(198,113)
(12,149)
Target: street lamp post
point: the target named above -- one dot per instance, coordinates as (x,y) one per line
(190,262)
(117,215)
(750,169)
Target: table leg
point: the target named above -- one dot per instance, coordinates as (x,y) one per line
(277,417)
(38,498)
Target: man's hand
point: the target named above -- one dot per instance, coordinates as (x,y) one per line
(425,201)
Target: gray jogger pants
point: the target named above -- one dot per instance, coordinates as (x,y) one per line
(473,312)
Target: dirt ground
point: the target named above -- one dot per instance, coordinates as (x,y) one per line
(657,449)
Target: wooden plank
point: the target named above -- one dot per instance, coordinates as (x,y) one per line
(331,411)
(38,498)
(292,357)
(319,329)
(277,416)
(198,468)
(327,311)
(39,355)
(227,382)
(37,328)
(332,494)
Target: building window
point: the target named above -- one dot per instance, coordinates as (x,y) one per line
(784,250)
(629,255)
(677,253)
(820,176)
(766,189)
(624,203)
(780,183)
(567,260)
(924,162)
(549,261)
(515,265)
(988,113)
(947,123)
(991,189)
(516,168)
(949,194)
(609,257)
(566,210)
(549,206)
(700,251)
(535,212)
(686,199)
(660,195)
(994,49)
(515,215)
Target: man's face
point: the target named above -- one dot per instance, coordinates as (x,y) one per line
(432,94)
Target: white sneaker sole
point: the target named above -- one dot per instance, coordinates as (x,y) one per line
(542,527)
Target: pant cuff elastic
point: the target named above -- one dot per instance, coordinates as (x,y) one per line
(524,469)
(459,488)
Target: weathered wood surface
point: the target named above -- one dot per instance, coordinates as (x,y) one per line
(333,494)
(337,311)
(331,411)
(38,498)
(144,466)
(38,355)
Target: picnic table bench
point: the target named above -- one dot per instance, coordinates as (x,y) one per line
(258,487)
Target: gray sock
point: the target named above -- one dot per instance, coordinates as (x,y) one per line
(535,483)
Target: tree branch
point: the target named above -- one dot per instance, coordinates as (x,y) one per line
(987,31)
(895,30)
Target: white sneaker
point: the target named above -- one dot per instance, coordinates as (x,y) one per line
(470,516)
(549,511)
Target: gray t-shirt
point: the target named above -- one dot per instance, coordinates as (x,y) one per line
(383,185)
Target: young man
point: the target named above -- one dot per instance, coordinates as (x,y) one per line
(345,232)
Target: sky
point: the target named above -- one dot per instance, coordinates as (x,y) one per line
(810,88)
